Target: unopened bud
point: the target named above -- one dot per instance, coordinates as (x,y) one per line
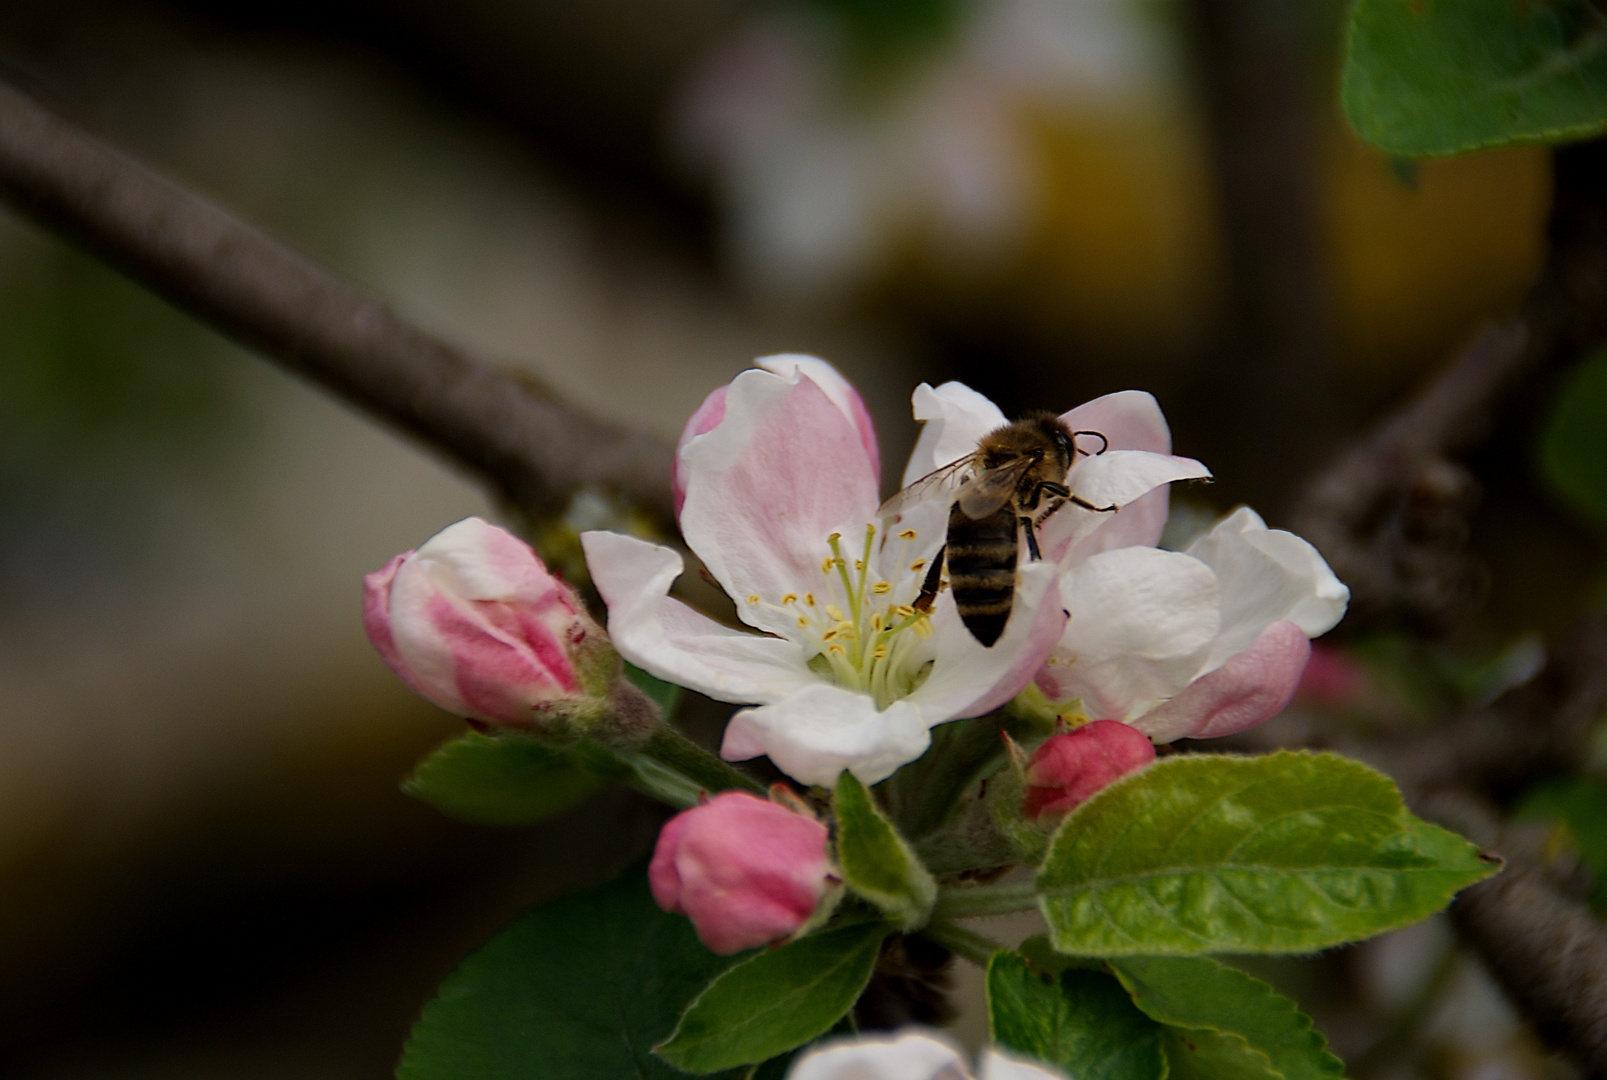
(1069,769)
(745,871)
(474,622)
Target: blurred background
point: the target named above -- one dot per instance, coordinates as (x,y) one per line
(206,868)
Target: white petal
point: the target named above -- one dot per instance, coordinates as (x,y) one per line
(969,679)
(818,731)
(1119,478)
(910,1056)
(956,419)
(665,637)
(784,470)
(1129,420)
(1000,1066)
(1141,621)
(1267,575)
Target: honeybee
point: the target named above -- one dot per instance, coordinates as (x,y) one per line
(1004,491)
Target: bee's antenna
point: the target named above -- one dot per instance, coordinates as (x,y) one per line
(1104,443)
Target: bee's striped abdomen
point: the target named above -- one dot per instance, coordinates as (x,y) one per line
(982,556)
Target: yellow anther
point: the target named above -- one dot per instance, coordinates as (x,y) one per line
(826,564)
(802,622)
(835,613)
(903,611)
(881,588)
(918,565)
(753,598)
(876,621)
(809,598)
(827,636)
(907,534)
(879,653)
(846,629)
(859,564)
(923,628)
(790,598)
(839,562)
(836,650)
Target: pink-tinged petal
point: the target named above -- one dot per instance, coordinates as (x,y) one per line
(838,389)
(783,471)
(909,1056)
(1000,1066)
(377,618)
(668,639)
(1141,620)
(705,419)
(1129,420)
(956,417)
(968,678)
(1118,478)
(745,871)
(1250,688)
(816,732)
(1332,677)
(1267,575)
(1069,769)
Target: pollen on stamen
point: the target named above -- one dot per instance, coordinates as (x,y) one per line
(753,598)
(879,652)
(790,598)
(918,565)
(802,622)
(876,621)
(835,613)
(827,636)
(923,628)
(859,564)
(907,534)
(809,598)
(836,650)
(881,588)
(903,611)
(846,629)
(826,564)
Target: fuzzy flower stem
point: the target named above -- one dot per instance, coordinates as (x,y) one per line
(975,947)
(1001,899)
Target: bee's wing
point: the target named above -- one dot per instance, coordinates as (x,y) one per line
(935,484)
(985,493)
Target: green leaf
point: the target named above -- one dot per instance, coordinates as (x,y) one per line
(876,862)
(779,999)
(1201,994)
(1213,1055)
(1287,852)
(504,779)
(1425,77)
(666,695)
(1081,1021)
(578,989)
(1573,445)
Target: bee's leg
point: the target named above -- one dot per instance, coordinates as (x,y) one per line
(933,582)
(1027,527)
(1086,505)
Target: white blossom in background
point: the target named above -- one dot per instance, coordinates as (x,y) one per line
(781,504)
(912,1055)
(819,176)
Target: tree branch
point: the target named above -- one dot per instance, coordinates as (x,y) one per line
(505,426)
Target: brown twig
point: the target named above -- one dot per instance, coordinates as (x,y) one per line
(1391,514)
(503,425)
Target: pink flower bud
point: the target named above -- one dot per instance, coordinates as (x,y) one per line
(475,623)
(745,871)
(1069,769)
(1332,677)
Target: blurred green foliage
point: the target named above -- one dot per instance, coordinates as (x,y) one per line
(1578,808)
(92,366)
(1573,444)
(1442,78)
(879,35)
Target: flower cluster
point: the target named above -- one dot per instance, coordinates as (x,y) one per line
(912,1055)
(846,660)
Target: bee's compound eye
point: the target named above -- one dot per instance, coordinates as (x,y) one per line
(1063,441)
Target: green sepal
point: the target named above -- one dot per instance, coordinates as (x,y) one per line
(1080,1021)
(503,779)
(1443,78)
(776,1000)
(1287,852)
(666,695)
(1202,995)
(877,864)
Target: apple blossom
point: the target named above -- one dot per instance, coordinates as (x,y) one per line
(911,1055)
(473,621)
(1193,644)
(781,504)
(745,871)
(1070,768)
